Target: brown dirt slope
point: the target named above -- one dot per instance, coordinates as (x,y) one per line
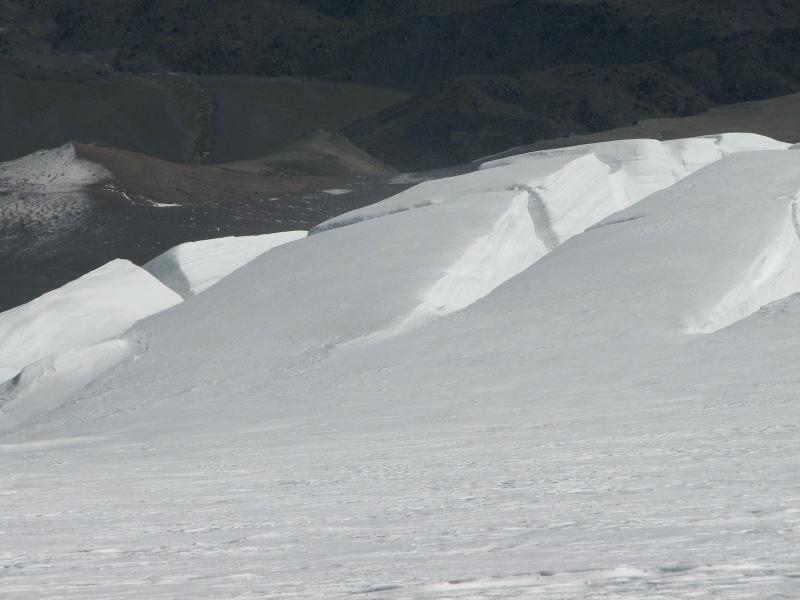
(778,118)
(321,160)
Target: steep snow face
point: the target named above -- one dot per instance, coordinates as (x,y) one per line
(774,274)
(508,248)
(191,268)
(96,307)
(707,251)
(58,168)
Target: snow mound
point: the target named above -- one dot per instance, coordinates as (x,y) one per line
(57,167)
(193,267)
(618,174)
(96,307)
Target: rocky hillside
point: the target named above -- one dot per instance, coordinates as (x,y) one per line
(482,75)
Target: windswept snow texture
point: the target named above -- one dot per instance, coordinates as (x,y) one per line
(470,399)
(194,267)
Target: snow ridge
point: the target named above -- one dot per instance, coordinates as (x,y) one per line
(513,244)
(98,306)
(571,189)
(193,267)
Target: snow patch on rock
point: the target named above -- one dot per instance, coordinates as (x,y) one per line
(58,167)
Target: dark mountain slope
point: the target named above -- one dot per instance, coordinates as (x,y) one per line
(484,74)
(182,118)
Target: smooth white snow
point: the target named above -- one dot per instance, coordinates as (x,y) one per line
(96,307)
(193,267)
(550,429)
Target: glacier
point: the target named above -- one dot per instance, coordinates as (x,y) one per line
(567,374)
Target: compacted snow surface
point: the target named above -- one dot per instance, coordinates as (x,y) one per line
(570,374)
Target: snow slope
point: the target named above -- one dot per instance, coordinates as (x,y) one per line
(438,403)
(193,267)
(301,307)
(54,345)
(96,307)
